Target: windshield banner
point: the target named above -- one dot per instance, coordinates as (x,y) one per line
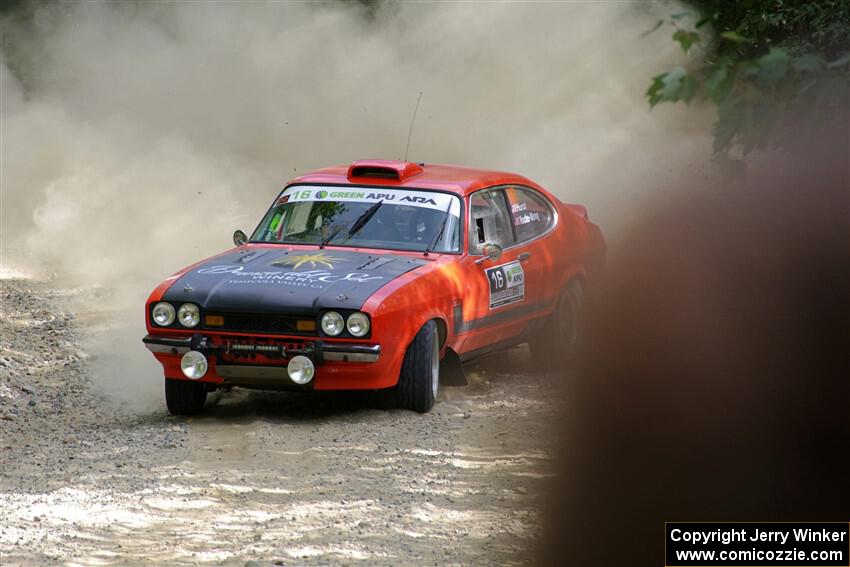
(390,196)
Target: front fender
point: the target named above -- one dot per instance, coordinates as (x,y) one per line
(401,308)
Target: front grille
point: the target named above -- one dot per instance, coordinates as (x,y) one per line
(239,347)
(254,323)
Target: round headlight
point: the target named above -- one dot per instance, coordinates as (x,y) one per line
(189,315)
(163,314)
(300,369)
(194,365)
(358,324)
(332,323)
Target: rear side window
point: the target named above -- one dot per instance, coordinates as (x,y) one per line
(531,212)
(490,221)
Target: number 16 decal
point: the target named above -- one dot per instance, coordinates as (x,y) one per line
(507,284)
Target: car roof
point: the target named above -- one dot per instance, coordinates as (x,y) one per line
(397,173)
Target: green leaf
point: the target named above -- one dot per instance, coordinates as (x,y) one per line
(679,15)
(653,93)
(672,82)
(686,39)
(773,66)
(735,37)
(673,86)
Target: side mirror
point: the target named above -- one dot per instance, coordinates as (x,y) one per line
(491,252)
(239,238)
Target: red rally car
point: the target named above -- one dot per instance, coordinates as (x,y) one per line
(377,276)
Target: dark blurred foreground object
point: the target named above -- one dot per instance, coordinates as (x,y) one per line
(716,383)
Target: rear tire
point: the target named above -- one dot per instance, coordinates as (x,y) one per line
(419,379)
(557,345)
(185,398)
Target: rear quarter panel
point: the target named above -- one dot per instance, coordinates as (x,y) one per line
(577,247)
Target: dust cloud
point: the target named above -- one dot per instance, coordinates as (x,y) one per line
(137,136)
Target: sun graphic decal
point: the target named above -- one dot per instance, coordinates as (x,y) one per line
(298,260)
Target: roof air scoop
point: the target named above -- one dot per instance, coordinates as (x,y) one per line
(391,170)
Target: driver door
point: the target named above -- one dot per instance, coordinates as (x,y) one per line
(496,294)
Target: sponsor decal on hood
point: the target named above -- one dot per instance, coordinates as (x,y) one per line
(298,260)
(257,280)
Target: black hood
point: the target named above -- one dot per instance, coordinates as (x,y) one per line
(262,280)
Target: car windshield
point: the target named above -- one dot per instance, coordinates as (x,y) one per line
(367,217)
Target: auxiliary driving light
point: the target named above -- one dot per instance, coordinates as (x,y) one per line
(194,365)
(300,369)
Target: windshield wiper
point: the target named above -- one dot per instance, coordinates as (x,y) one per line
(439,232)
(356,226)
(330,237)
(364,218)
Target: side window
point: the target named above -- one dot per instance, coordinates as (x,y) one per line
(490,221)
(531,212)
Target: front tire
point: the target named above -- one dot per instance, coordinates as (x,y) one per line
(184,397)
(419,379)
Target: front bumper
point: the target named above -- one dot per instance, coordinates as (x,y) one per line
(318,351)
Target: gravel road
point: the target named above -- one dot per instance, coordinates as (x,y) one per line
(261,478)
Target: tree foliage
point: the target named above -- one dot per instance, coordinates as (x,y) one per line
(769,66)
